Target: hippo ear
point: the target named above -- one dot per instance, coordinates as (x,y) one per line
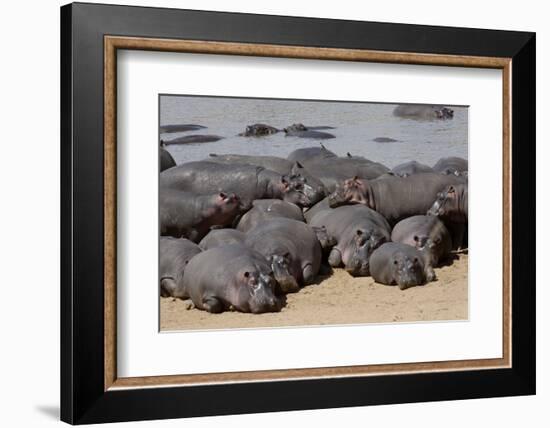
(296,168)
(450,190)
(285,182)
(223,195)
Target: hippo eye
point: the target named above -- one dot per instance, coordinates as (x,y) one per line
(246,274)
(395,262)
(415,260)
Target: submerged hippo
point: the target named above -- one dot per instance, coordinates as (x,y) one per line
(409,168)
(258,130)
(312,185)
(451,206)
(423,112)
(175,254)
(231,277)
(384,140)
(219,237)
(292,249)
(248,181)
(166,160)
(189,139)
(395,198)
(167,129)
(311,154)
(427,234)
(358,231)
(266,209)
(184,214)
(301,131)
(452,165)
(398,264)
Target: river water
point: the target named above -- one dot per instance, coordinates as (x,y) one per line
(356,125)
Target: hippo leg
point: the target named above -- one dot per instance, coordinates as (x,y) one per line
(335,257)
(307,274)
(457,234)
(430,273)
(212,304)
(167,287)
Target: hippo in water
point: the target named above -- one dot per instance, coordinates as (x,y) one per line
(301,131)
(395,198)
(231,277)
(258,130)
(291,247)
(311,154)
(358,230)
(398,264)
(184,214)
(266,209)
(166,160)
(427,234)
(218,237)
(451,206)
(409,168)
(452,165)
(248,181)
(167,129)
(312,184)
(423,112)
(175,254)
(189,139)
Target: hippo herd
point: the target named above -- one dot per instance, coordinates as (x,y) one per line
(239,232)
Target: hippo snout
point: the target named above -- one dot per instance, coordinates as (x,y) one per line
(358,268)
(287,283)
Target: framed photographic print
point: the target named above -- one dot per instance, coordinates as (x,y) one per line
(274,213)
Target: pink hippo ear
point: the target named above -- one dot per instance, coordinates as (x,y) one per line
(285,182)
(223,195)
(451,191)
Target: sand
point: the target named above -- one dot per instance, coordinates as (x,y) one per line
(341,299)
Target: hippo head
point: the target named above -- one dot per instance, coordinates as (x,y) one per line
(445,203)
(257,292)
(407,270)
(313,188)
(352,191)
(357,253)
(326,240)
(295,127)
(280,264)
(296,190)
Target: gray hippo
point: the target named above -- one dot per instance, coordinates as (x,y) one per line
(427,234)
(384,140)
(292,249)
(231,277)
(358,230)
(265,209)
(451,206)
(423,112)
(258,130)
(175,254)
(452,165)
(301,131)
(395,198)
(250,182)
(313,187)
(167,129)
(398,264)
(166,160)
(409,168)
(311,154)
(187,215)
(190,139)
(218,237)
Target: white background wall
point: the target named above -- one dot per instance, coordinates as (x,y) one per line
(29,214)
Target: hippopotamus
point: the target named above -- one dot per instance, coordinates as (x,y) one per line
(175,253)
(451,206)
(167,129)
(301,131)
(423,112)
(250,182)
(265,209)
(452,165)
(258,130)
(395,263)
(189,139)
(313,187)
(218,237)
(291,247)
(427,234)
(357,230)
(409,168)
(395,198)
(384,140)
(166,160)
(231,277)
(187,215)
(311,154)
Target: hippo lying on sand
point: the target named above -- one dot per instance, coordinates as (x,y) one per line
(184,214)
(427,234)
(398,264)
(166,129)
(266,209)
(358,230)
(175,253)
(218,237)
(395,198)
(409,168)
(452,165)
(292,249)
(258,130)
(189,139)
(248,181)
(231,277)
(166,160)
(423,112)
